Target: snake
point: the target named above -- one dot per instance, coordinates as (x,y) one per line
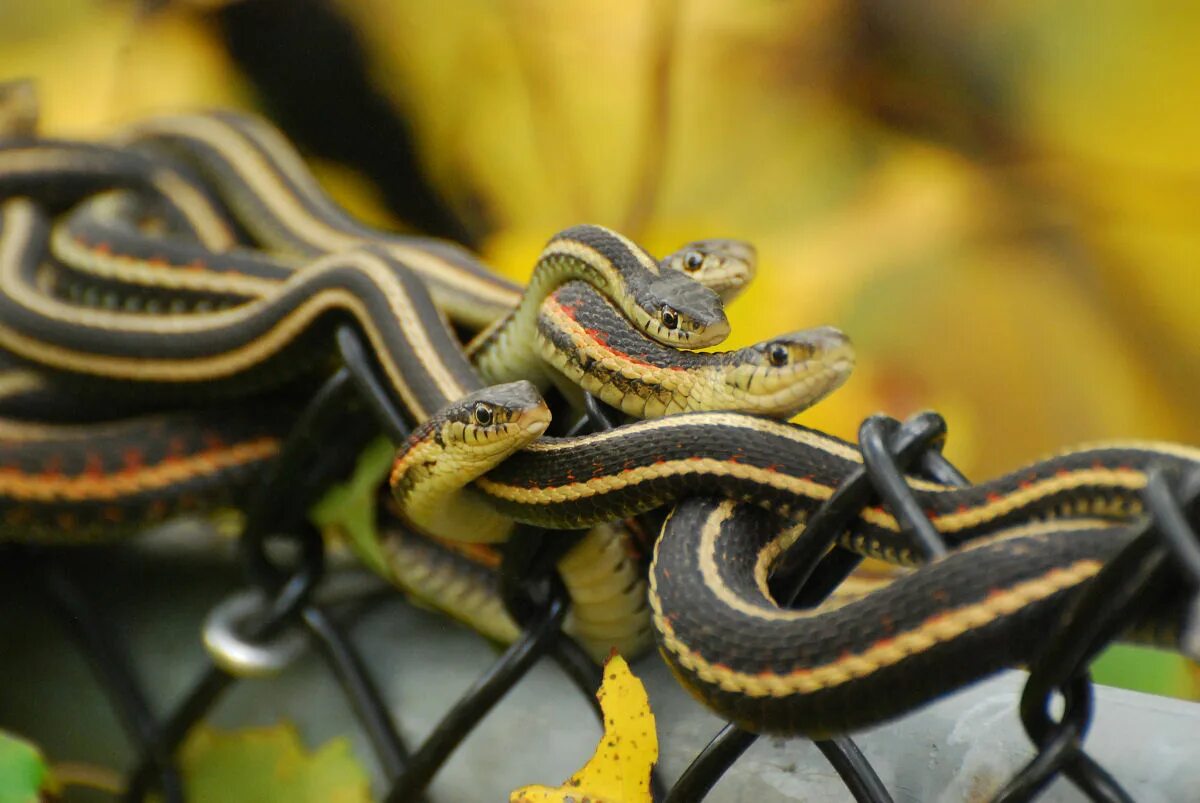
(73,482)
(744,486)
(112,261)
(751,467)
(843,667)
(59,173)
(109,249)
(260,175)
(260,340)
(582,335)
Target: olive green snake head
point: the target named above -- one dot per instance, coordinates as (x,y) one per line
(463,441)
(724,266)
(784,375)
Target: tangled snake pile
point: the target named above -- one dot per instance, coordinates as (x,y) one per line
(167,299)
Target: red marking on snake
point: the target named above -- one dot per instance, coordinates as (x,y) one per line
(599,335)
(601,339)
(567,309)
(134,459)
(93,466)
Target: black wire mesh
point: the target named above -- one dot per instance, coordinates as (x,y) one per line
(353,404)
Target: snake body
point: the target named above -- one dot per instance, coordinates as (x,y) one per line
(479,461)
(831,670)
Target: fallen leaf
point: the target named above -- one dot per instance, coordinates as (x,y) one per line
(619,771)
(269,764)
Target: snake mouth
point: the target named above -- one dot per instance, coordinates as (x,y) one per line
(535,423)
(791,373)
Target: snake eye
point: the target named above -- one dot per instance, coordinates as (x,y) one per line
(670,318)
(693,260)
(483,415)
(777,354)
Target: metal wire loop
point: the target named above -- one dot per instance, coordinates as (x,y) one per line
(229,649)
(1060,751)
(874,439)
(601,417)
(1163,544)
(891,450)
(807,573)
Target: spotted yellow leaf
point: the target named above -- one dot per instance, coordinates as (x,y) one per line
(619,771)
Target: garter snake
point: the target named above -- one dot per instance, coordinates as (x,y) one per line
(259,174)
(579,332)
(70,482)
(171,266)
(116,263)
(575,482)
(792,672)
(58,173)
(827,671)
(259,341)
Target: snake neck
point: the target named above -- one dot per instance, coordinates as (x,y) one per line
(432,498)
(507,350)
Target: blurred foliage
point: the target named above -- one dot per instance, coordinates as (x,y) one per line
(24,776)
(998,202)
(269,765)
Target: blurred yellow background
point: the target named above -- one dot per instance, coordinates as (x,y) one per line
(999,202)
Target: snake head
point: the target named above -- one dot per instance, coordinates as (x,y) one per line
(494,422)
(461,442)
(469,437)
(683,313)
(784,375)
(723,266)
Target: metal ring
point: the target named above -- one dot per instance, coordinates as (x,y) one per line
(232,652)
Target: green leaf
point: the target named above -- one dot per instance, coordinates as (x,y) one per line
(24,776)
(348,509)
(269,765)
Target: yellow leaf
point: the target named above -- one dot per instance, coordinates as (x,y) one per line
(619,772)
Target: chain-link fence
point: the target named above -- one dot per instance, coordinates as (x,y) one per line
(284,560)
